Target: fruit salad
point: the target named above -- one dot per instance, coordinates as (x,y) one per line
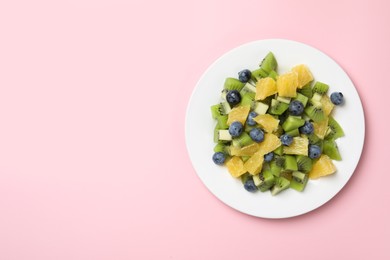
(276,132)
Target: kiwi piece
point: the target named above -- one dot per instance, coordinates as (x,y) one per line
(334,131)
(216,133)
(286,174)
(293,133)
(225,108)
(224,93)
(279,150)
(222,122)
(315,112)
(279,131)
(304,163)
(248,99)
(216,111)
(277,107)
(292,122)
(320,88)
(290,163)
(280,161)
(330,149)
(243,140)
(298,186)
(220,147)
(273,74)
(306,90)
(284,99)
(233,84)
(260,108)
(245,177)
(299,176)
(265,180)
(248,88)
(269,63)
(275,168)
(302,98)
(258,74)
(223,136)
(281,184)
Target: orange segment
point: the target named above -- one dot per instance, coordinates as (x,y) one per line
(268,122)
(265,87)
(248,150)
(324,166)
(270,143)
(320,128)
(327,105)
(287,84)
(239,113)
(235,166)
(299,146)
(304,75)
(254,164)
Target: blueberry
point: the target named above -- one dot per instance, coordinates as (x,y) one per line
(233,97)
(244,76)
(286,139)
(219,158)
(296,108)
(337,98)
(235,129)
(250,120)
(307,128)
(269,156)
(256,134)
(250,185)
(314,151)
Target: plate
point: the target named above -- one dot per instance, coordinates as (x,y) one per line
(199,128)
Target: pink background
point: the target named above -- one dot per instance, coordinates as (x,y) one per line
(93,163)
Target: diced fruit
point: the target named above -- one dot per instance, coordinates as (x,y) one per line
(235,166)
(315,112)
(249,120)
(320,128)
(233,84)
(327,105)
(320,88)
(280,185)
(287,84)
(314,151)
(239,114)
(233,97)
(236,129)
(337,98)
(304,75)
(290,163)
(249,185)
(268,122)
(269,63)
(335,131)
(244,75)
(299,146)
(306,91)
(265,87)
(278,107)
(258,74)
(243,140)
(260,108)
(307,128)
(219,158)
(296,108)
(286,139)
(304,163)
(248,150)
(293,122)
(270,143)
(255,163)
(330,148)
(303,99)
(257,135)
(265,180)
(224,135)
(323,167)
(299,181)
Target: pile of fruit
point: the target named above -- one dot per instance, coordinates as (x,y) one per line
(276,131)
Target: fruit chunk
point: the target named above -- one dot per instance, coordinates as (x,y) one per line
(239,114)
(270,143)
(304,75)
(315,112)
(290,163)
(304,163)
(233,84)
(260,108)
(320,128)
(248,150)
(327,105)
(268,122)
(269,63)
(293,122)
(281,184)
(235,166)
(287,84)
(255,163)
(320,88)
(264,180)
(278,107)
(335,131)
(299,146)
(265,87)
(323,167)
(330,148)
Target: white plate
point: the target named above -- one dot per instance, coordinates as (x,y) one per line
(199,128)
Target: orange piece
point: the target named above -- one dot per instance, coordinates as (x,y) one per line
(287,84)
(323,167)
(265,87)
(268,122)
(235,166)
(239,114)
(304,75)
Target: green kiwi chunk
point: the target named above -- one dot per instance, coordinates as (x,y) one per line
(243,140)
(281,184)
(290,163)
(320,88)
(277,107)
(233,84)
(269,63)
(292,122)
(306,90)
(334,131)
(315,112)
(304,163)
(330,149)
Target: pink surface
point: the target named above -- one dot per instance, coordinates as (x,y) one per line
(93,163)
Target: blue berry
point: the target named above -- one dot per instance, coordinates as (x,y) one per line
(250,120)
(314,151)
(257,135)
(250,185)
(268,157)
(286,139)
(233,97)
(307,128)
(244,76)
(219,158)
(296,108)
(235,129)
(337,98)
